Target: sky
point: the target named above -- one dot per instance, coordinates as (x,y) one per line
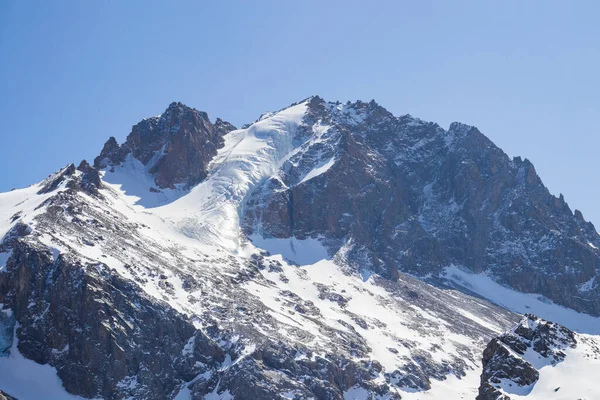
(73,73)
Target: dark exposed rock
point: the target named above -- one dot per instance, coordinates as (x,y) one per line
(500,364)
(126,344)
(223,127)
(384,194)
(260,376)
(97,312)
(7,329)
(175,147)
(409,195)
(90,180)
(9,240)
(326,293)
(54,181)
(111,154)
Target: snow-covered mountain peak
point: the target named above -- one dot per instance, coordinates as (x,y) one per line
(328,250)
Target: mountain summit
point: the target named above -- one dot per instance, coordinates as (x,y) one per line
(174,147)
(326,251)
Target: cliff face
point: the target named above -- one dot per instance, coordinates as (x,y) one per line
(413,197)
(174,147)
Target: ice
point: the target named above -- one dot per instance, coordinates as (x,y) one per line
(210,212)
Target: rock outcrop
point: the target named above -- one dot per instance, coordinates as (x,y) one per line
(174,147)
(100,301)
(511,361)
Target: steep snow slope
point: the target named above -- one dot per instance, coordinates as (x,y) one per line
(133,179)
(208,217)
(574,378)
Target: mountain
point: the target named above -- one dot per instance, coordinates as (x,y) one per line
(325,251)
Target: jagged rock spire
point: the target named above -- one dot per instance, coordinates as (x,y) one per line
(175,147)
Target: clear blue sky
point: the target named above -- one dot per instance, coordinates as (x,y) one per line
(73,73)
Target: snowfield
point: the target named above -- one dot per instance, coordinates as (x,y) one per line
(574,378)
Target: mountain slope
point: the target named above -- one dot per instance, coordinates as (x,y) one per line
(264,271)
